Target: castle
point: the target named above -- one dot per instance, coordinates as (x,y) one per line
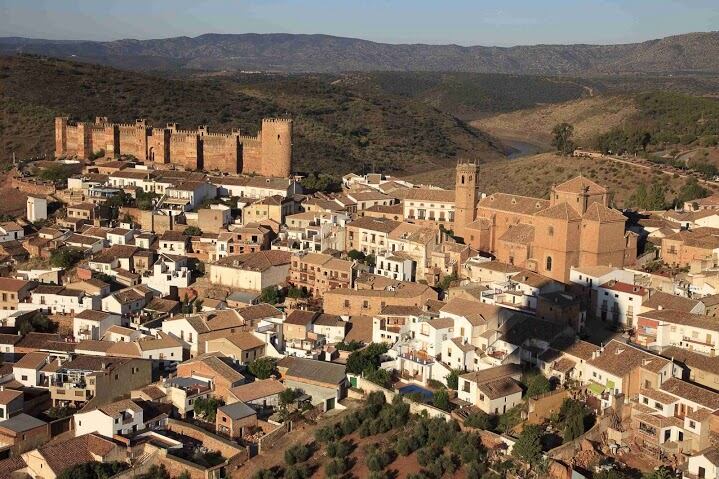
(575,227)
(269,153)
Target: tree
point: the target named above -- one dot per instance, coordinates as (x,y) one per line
(562,138)
(270,295)
(453,379)
(360,360)
(297,293)
(145,201)
(37,322)
(447,281)
(355,255)
(288,396)
(93,470)
(192,231)
(661,473)
(537,385)
(480,420)
(66,257)
(441,400)
(528,447)
(572,415)
(156,472)
(691,190)
(262,368)
(207,408)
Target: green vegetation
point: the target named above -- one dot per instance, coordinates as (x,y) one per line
(35,322)
(447,281)
(155,472)
(528,447)
(270,295)
(664,119)
(206,408)
(562,138)
(336,123)
(572,418)
(297,293)
(453,379)
(192,231)
(537,384)
(66,257)
(321,182)
(57,172)
(353,345)
(93,470)
(651,199)
(440,400)
(143,200)
(262,368)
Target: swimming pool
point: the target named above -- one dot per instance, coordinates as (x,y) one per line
(415,389)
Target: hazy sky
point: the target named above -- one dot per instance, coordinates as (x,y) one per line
(465,22)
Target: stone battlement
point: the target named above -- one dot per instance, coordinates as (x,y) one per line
(269,153)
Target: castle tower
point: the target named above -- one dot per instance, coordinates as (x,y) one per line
(60,136)
(465,195)
(276,140)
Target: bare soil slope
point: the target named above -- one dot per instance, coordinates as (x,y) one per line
(590,117)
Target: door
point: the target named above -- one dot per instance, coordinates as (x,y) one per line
(330,404)
(667,435)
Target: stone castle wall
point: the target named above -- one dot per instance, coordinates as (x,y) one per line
(269,153)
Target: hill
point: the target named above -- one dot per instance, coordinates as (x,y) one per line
(590,117)
(535,175)
(468,95)
(337,128)
(324,53)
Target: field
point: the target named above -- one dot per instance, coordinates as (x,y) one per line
(589,116)
(535,175)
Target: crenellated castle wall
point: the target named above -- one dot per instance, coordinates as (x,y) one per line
(269,153)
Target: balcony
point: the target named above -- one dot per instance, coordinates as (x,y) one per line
(419,357)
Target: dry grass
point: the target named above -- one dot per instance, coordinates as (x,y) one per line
(590,116)
(535,175)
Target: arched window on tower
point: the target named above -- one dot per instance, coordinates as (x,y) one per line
(549,263)
(470,178)
(462,179)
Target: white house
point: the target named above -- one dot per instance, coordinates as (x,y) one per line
(397,265)
(28,369)
(127,301)
(620,303)
(60,300)
(11,231)
(494,390)
(120,417)
(703,465)
(167,272)
(91,324)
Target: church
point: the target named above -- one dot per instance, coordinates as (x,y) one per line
(574,227)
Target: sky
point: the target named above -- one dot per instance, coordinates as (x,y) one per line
(463,22)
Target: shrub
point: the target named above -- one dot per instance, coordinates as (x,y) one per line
(336,467)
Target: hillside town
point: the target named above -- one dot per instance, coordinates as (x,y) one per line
(208,321)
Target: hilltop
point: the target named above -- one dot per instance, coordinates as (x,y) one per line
(337,127)
(324,53)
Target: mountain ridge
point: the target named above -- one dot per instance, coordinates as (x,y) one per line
(285,52)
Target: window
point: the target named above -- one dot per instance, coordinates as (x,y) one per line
(550,231)
(549,263)
(465,386)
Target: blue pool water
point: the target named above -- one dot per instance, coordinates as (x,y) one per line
(413,389)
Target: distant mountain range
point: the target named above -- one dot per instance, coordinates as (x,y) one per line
(692,52)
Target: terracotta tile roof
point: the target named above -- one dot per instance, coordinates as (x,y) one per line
(499,388)
(115,408)
(313,370)
(9,466)
(620,359)
(32,361)
(564,365)
(245,341)
(599,212)
(9,395)
(492,374)
(476,313)
(519,233)
(532,279)
(257,390)
(657,395)
(398,310)
(153,392)
(581,349)
(659,299)
(258,261)
(682,389)
(692,359)
(381,225)
(580,184)
(215,362)
(359,329)
(299,317)
(92,315)
(561,211)
(621,287)
(259,311)
(78,450)
(513,203)
(426,194)
(683,318)
(12,284)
